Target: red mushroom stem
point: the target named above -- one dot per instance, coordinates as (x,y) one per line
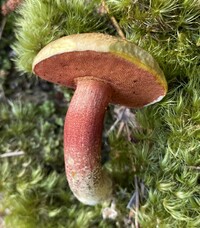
(82,141)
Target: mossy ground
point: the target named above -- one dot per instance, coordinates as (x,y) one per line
(160,160)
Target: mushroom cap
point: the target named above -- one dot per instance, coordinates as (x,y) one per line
(135,77)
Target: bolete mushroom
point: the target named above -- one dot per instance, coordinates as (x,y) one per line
(103,69)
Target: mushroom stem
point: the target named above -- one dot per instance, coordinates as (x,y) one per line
(82,141)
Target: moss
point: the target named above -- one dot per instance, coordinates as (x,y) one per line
(41,22)
(34,185)
(165,157)
(167,29)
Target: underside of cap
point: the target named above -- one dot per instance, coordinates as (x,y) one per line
(133,74)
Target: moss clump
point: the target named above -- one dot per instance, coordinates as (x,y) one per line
(33,185)
(167,29)
(165,158)
(42,21)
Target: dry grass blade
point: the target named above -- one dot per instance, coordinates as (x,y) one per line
(113,20)
(12,154)
(194,167)
(126,120)
(134,204)
(136,201)
(2,26)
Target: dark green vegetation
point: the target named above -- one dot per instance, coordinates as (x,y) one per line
(162,155)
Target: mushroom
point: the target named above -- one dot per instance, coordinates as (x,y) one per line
(103,69)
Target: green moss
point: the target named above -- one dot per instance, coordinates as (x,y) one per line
(42,21)
(166,158)
(34,185)
(167,29)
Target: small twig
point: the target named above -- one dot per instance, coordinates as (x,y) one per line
(142,190)
(121,126)
(124,118)
(12,154)
(113,20)
(131,202)
(3,23)
(194,167)
(112,127)
(136,201)
(128,132)
(119,118)
(2,93)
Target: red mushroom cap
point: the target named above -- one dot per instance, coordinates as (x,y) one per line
(133,74)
